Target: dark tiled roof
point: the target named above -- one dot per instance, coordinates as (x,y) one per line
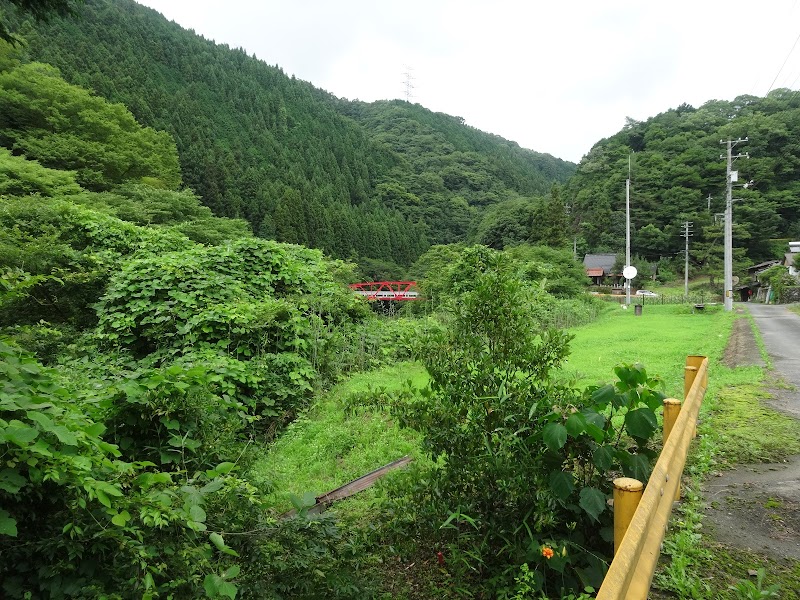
(764,265)
(600,261)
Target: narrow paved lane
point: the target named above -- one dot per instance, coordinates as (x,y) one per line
(780,330)
(757,507)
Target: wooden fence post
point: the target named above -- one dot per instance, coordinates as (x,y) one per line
(627,493)
(693,363)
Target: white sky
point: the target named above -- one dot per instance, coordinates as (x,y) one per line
(554,76)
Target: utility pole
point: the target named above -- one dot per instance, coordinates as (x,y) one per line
(730,177)
(628,232)
(687,233)
(709,203)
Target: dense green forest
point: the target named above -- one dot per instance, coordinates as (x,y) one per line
(676,165)
(285,156)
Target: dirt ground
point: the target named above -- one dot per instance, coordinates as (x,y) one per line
(755,507)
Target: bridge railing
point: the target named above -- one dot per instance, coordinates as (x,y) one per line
(387,290)
(640,517)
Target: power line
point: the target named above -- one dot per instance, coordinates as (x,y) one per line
(784,64)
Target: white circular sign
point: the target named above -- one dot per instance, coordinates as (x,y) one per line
(629,272)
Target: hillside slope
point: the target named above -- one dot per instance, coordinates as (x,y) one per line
(286,156)
(678,175)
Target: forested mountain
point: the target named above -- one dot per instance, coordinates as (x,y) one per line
(358,181)
(676,165)
(456,172)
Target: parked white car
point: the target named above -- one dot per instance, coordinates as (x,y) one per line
(646,293)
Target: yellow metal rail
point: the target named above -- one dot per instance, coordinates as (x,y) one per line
(631,571)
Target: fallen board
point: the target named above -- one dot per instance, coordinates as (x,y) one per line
(349,489)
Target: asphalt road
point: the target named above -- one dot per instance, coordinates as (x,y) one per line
(780,330)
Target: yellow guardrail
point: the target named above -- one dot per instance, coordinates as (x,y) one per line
(640,517)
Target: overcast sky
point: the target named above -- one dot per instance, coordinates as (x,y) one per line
(554,76)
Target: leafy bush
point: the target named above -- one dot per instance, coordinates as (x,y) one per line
(445,272)
(79,521)
(308,557)
(522,463)
(174,300)
(73,249)
(779,279)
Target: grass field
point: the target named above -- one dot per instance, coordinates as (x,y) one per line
(330,446)
(660,339)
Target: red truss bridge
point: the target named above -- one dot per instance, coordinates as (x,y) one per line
(386,290)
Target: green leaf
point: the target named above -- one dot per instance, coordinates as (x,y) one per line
(232,572)
(95,429)
(45,422)
(218,541)
(631,375)
(562,484)
(555,436)
(227,589)
(210,584)
(11,481)
(596,433)
(220,544)
(101,496)
(636,466)
(641,423)
(575,424)
(20,434)
(225,467)
(212,486)
(603,457)
(65,436)
(8,525)
(41,447)
(197,514)
(121,519)
(594,418)
(602,396)
(593,501)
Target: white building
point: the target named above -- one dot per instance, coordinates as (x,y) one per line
(792,259)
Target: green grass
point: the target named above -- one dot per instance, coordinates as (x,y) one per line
(748,431)
(328,447)
(677,287)
(660,339)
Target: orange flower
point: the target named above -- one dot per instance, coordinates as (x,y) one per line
(547,552)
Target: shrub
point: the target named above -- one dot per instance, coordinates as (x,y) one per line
(522,463)
(78,521)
